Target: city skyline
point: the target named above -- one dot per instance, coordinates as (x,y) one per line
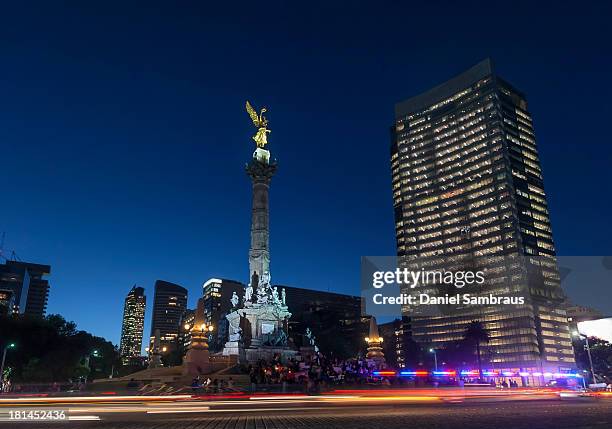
(134,192)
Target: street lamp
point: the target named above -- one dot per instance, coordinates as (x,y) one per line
(8,346)
(435,357)
(206,328)
(588,349)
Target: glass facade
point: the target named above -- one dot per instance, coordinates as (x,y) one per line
(27,285)
(133,325)
(468,193)
(169,304)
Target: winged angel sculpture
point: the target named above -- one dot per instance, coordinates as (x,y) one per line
(261,123)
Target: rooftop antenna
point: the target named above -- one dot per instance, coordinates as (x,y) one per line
(13,256)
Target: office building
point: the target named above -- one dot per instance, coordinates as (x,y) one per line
(25,285)
(468,192)
(396,345)
(217,294)
(335,320)
(169,304)
(185,325)
(133,325)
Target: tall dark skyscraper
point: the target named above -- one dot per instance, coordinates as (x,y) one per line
(468,192)
(169,304)
(24,287)
(335,319)
(133,324)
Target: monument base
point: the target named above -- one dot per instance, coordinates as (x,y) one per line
(197,362)
(261,332)
(236,349)
(253,355)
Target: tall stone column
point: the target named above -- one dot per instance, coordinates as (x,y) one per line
(261,170)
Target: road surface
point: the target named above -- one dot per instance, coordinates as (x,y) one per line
(343,410)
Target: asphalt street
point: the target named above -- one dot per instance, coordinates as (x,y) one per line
(482,413)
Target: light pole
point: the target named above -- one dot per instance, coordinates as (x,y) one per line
(96,354)
(588,349)
(8,346)
(435,357)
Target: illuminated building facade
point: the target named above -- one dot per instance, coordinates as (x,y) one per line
(185,325)
(169,304)
(133,325)
(217,294)
(396,336)
(468,192)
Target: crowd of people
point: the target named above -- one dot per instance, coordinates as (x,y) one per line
(311,373)
(216,385)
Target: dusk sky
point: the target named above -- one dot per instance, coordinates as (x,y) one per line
(123,135)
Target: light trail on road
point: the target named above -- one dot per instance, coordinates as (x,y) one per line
(99,407)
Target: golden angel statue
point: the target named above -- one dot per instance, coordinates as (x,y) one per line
(261,123)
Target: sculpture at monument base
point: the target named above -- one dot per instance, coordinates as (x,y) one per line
(259,331)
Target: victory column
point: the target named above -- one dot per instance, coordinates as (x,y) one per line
(258,325)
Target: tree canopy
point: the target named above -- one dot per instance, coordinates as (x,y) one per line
(52,349)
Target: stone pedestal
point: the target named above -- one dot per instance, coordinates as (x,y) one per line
(267,353)
(258,331)
(197,362)
(375,356)
(155,360)
(236,349)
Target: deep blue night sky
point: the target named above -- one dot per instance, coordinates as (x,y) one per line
(123,135)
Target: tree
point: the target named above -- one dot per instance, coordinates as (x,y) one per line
(601,353)
(457,354)
(52,349)
(476,334)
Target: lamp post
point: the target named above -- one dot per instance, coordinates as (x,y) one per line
(94,353)
(435,358)
(588,349)
(6,347)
